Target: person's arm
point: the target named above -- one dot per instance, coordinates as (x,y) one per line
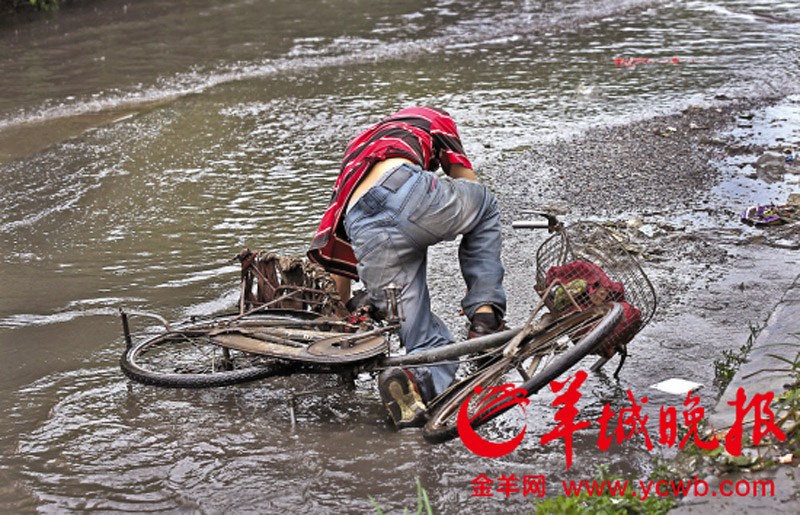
(458,171)
(342,286)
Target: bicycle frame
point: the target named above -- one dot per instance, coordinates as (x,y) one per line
(513,339)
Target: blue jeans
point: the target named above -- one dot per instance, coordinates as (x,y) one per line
(391,227)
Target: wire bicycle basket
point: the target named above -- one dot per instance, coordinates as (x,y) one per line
(586,264)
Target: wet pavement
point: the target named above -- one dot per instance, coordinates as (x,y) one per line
(766,370)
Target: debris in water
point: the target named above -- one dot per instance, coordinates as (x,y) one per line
(633,62)
(763,215)
(676,386)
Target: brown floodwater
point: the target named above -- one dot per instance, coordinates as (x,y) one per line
(143,144)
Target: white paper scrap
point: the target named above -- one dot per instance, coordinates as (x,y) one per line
(676,386)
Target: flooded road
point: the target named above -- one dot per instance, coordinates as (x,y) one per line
(143,144)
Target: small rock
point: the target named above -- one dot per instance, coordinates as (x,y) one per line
(770,166)
(738,149)
(770,157)
(713,141)
(649,230)
(634,223)
(666,132)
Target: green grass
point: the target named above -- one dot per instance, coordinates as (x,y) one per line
(423,503)
(20,5)
(726,367)
(787,406)
(585,504)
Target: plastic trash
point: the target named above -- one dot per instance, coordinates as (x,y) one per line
(676,386)
(762,215)
(633,62)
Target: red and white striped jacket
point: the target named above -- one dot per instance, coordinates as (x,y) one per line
(425,136)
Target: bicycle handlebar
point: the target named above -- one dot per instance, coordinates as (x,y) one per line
(552,224)
(530,224)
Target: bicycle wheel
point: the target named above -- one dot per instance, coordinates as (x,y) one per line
(544,357)
(186,359)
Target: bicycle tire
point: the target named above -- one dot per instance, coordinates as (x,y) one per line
(187,358)
(177,366)
(441,425)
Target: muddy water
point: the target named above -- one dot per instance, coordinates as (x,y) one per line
(141,145)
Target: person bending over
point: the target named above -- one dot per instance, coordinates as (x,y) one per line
(388,206)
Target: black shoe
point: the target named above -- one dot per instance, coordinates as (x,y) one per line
(358,300)
(485,323)
(402,398)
